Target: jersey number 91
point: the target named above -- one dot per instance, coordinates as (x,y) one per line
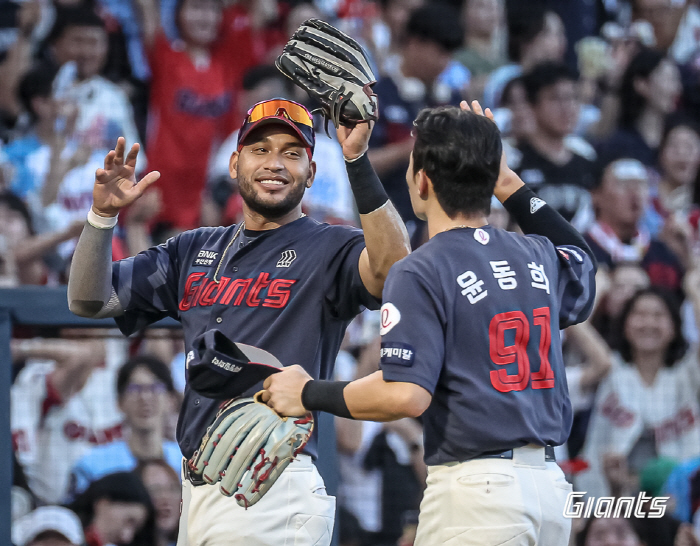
(503,354)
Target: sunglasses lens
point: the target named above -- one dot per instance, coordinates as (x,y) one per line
(293,111)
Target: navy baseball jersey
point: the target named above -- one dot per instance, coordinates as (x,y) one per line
(291,291)
(473,316)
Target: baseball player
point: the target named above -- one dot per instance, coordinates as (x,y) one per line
(278,281)
(470,336)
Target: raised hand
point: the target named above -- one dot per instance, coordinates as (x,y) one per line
(115,185)
(355,141)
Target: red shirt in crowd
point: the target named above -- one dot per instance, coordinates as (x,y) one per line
(191,109)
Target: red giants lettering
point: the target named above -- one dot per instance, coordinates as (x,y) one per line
(261,291)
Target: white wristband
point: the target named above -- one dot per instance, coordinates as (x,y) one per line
(101,222)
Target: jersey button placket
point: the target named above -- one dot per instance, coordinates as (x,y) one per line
(219,320)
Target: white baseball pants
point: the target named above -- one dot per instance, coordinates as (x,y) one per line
(495,502)
(296,511)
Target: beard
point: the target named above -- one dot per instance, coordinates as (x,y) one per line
(270,210)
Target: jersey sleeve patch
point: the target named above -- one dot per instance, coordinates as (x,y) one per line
(394,352)
(390,317)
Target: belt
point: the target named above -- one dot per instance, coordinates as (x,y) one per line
(508,454)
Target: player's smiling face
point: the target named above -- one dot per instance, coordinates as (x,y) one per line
(273,170)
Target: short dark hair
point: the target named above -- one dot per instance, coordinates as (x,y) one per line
(124,487)
(641,66)
(678,346)
(524,24)
(37,82)
(461,154)
(73,16)
(439,23)
(545,75)
(154,365)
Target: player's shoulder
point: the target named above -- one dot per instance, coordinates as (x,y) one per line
(331,232)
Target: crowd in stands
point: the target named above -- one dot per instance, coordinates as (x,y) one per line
(598,103)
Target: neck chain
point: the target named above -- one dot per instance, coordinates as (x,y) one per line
(240,228)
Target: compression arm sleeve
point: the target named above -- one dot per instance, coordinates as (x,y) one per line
(365,184)
(90,291)
(544,221)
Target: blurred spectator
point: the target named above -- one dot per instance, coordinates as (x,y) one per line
(648,405)
(388,34)
(21,249)
(614,289)
(117,509)
(608,532)
(515,120)
(484,41)
(48,526)
(78,45)
(193,86)
(432,34)
(144,389)
(63,402)
(18,21)
(675,25)
(558,165)
(649,91)
(535,35)
(672,191)
(620,198)
(163,485)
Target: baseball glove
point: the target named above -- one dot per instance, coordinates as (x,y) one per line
(247,447)
(333,69)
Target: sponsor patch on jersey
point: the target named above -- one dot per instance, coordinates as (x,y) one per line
(206,258)
(390,317)
(536,204)
(480,236)
(394,352)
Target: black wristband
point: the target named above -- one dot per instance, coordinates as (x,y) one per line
(535,216)
(366,186)
(326,396)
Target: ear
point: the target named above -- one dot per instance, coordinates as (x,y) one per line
(424,185)
(312,174)
(233,165)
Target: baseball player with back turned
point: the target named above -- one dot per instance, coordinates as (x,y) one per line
(279,281)
(470,339)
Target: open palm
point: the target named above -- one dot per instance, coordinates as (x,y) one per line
(115,184)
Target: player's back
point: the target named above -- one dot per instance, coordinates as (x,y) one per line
(500,298)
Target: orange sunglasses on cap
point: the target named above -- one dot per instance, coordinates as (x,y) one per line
(285,111)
